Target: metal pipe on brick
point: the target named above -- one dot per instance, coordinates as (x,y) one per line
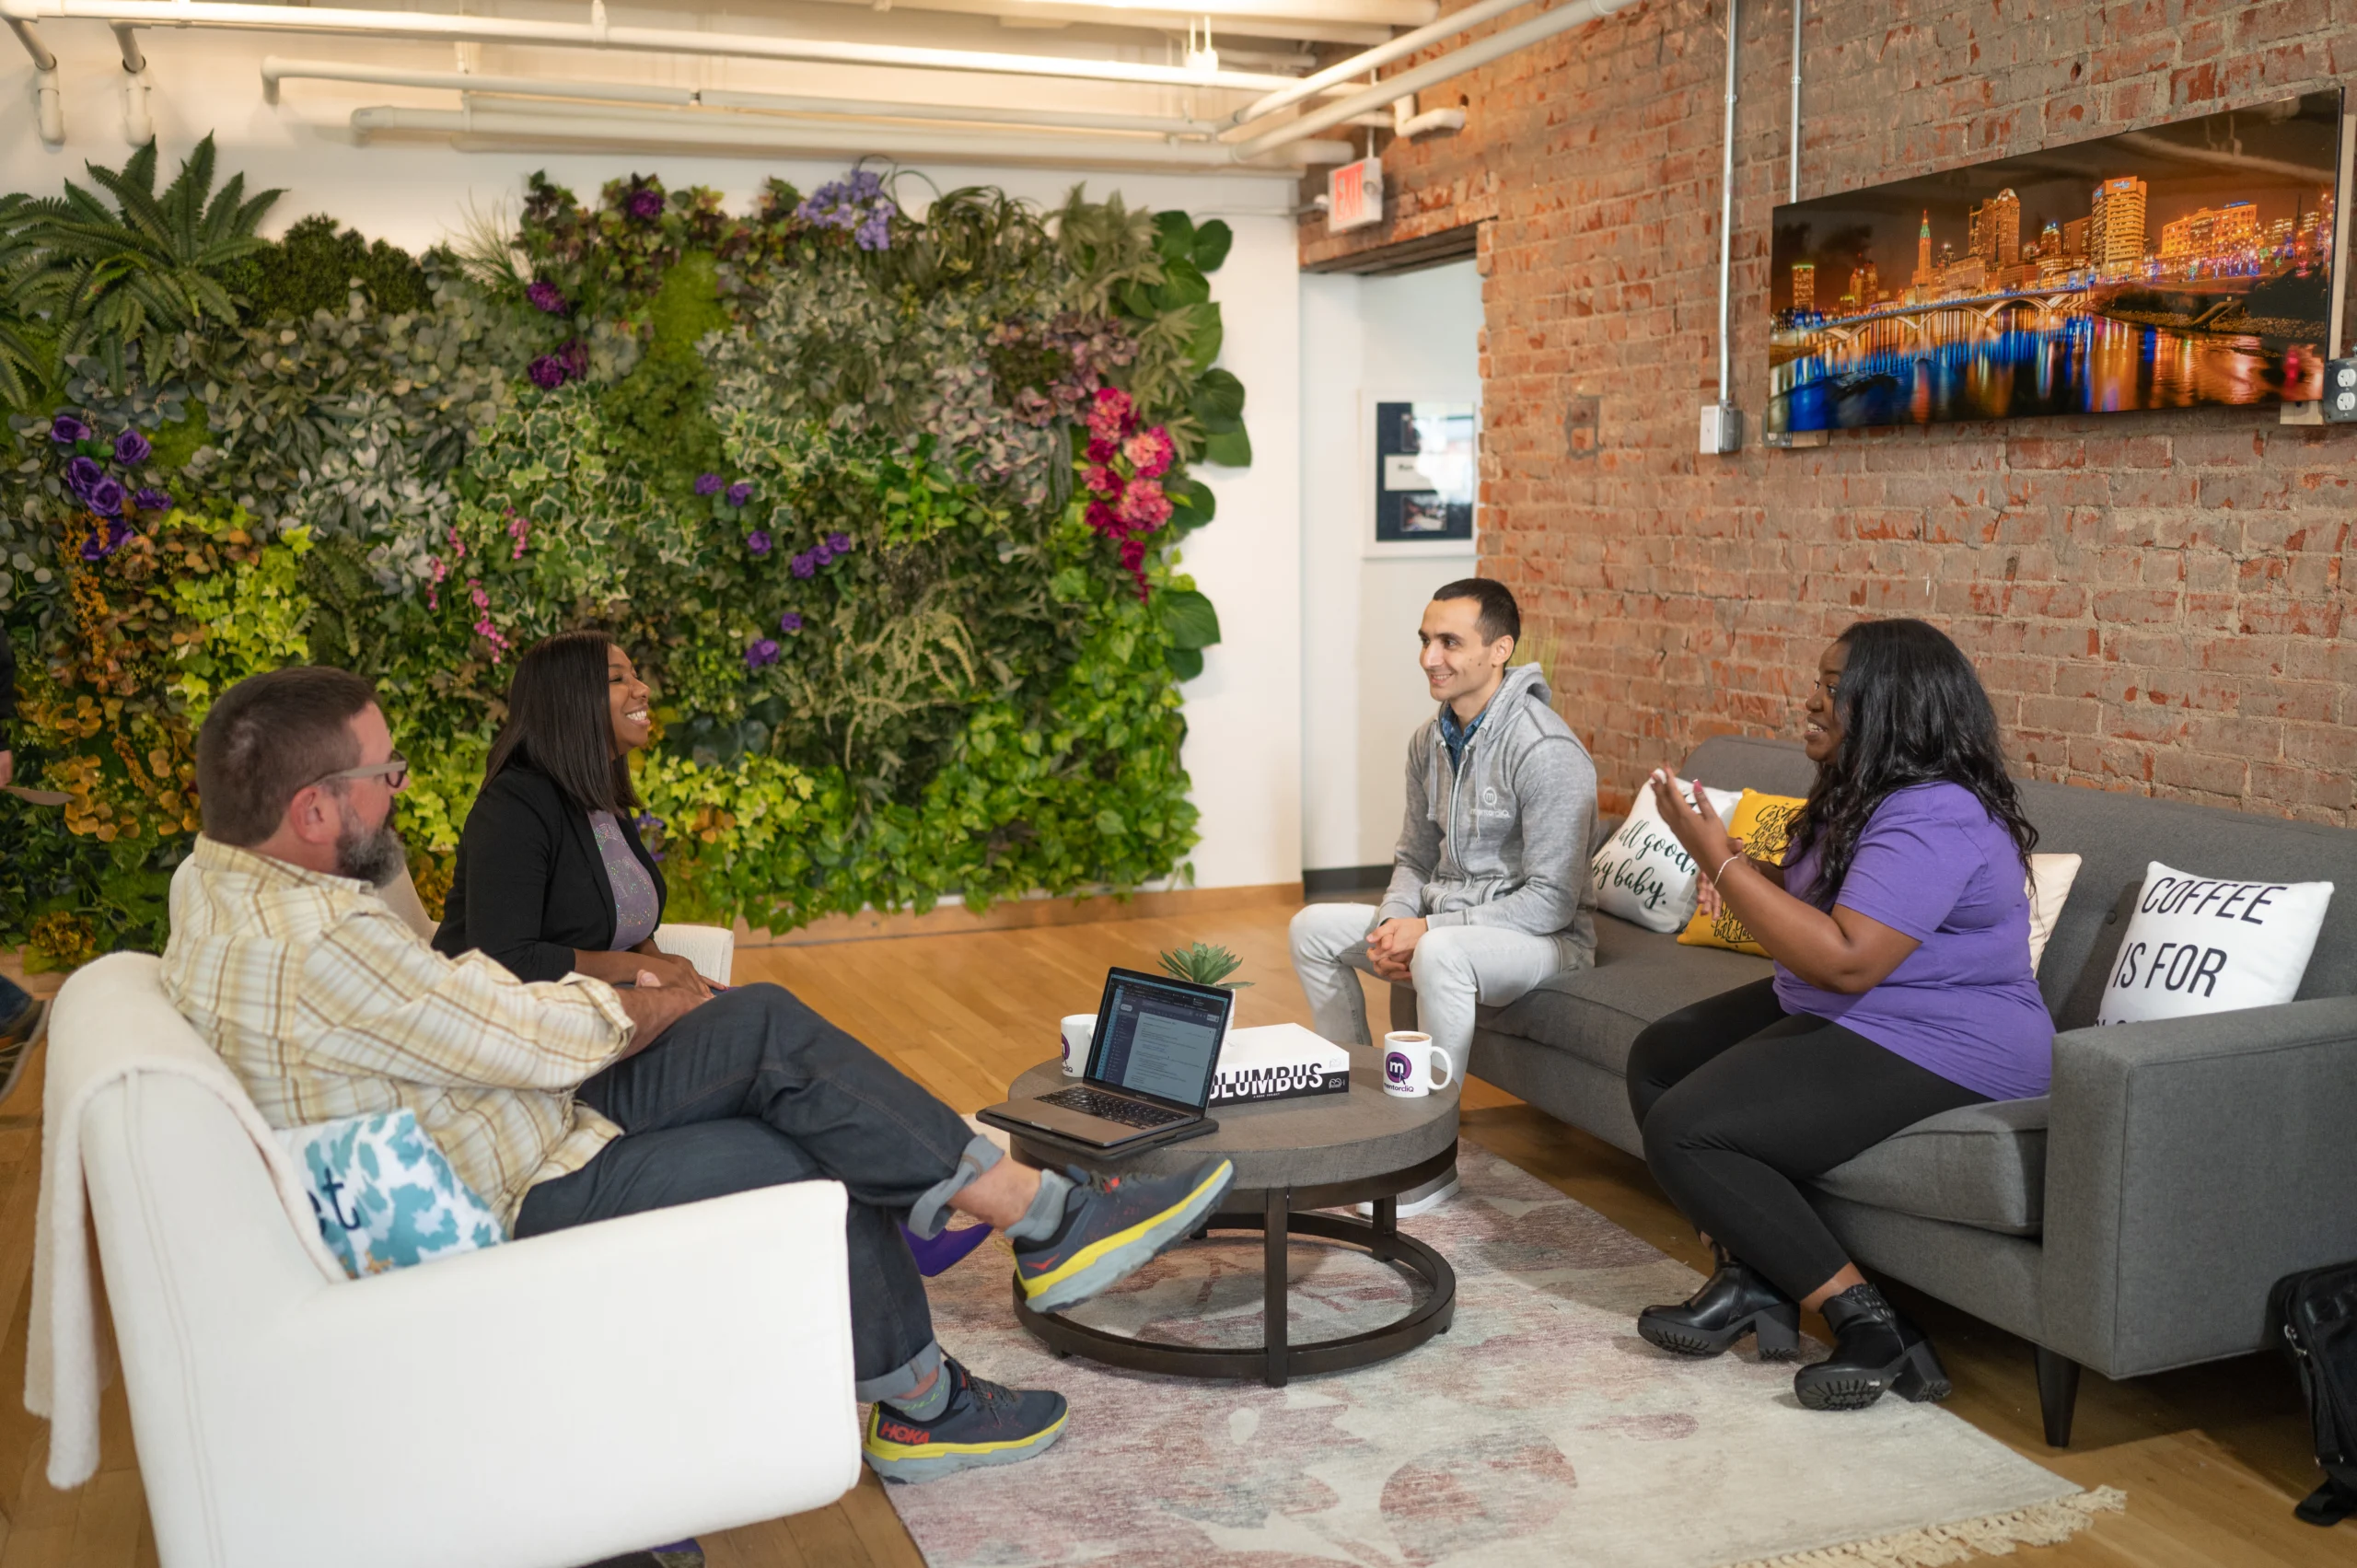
(1726,214)
(1456,63)
(1359,65)
(1793,158)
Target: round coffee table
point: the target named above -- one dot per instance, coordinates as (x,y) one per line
(1292,1157)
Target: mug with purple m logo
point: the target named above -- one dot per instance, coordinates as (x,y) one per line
(1414,1066)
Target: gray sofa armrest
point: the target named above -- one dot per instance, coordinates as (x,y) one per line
(2190,1163)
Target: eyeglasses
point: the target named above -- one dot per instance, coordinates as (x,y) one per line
(394,770)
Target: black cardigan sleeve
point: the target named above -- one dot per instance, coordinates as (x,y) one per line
(510,848)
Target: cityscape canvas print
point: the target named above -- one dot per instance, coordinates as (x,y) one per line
(2186,264)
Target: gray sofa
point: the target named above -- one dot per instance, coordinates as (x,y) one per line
(2130,1222)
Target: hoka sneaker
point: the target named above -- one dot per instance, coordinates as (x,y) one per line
(1112,1224)
(986,1424)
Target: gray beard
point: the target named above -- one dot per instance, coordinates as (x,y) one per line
(374,858)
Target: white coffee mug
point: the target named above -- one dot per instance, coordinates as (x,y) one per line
(1414,1066)
(1077,1030)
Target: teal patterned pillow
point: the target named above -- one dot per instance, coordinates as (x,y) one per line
(385,1196)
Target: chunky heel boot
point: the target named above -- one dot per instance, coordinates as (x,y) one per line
(1732,1302)
(1874,1350)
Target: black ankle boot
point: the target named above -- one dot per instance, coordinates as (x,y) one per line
(1732,1302)
(1874,1350)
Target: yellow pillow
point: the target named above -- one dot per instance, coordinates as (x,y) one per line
(1763,822)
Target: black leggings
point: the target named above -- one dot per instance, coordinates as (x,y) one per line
(1739,1101)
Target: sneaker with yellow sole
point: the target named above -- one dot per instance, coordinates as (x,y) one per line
(1113,1225)
(985,1423)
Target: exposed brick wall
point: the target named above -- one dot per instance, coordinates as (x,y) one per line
(2155,601)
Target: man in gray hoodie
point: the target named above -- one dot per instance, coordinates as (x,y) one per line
(1490,891)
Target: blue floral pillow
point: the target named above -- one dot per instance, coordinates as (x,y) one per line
(385,1196)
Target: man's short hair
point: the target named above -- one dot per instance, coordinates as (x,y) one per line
(267,738)
(1500,616)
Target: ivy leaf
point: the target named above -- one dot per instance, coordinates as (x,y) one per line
(1185,663)
(1229,449)
(1182,285)
(1187,617)
(1175,236)
(1203,344)
(1218,400)
(1191,504)
(1212,242)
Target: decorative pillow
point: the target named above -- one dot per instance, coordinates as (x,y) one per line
(2200,945)
(1641,873)
(1763,822)
(385,1196)
(2049,887)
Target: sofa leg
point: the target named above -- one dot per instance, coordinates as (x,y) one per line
(2058,1394)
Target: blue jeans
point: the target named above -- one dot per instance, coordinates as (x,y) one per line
(13,1001)
(754,1089)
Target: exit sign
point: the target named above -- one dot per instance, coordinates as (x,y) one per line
(1354,195)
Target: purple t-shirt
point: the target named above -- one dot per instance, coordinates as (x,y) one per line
(1933,863)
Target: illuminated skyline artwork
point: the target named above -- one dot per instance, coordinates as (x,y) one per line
(2186,264)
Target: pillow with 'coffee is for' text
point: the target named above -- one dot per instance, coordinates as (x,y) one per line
(2210,945)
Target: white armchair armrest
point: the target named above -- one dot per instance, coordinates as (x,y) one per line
(711,948)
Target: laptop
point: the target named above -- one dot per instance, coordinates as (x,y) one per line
(1149,1072)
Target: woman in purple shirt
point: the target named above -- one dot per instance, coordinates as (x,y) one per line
(1899,925)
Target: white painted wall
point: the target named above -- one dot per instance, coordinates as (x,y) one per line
(1244,714)
(1365,340)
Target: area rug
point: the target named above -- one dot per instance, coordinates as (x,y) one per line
(1539,1430)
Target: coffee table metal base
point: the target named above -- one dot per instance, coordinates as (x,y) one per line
(1285,1214)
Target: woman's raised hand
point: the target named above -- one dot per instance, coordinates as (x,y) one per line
(1697,824)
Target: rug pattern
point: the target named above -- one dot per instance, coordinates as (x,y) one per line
(1538,1429)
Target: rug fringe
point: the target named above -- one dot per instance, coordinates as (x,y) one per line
(1993,1535)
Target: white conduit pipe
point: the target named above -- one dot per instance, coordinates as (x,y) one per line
(138,125)
(277,68)
(1793,188)
(598,34)
(1456,63)
(1381,54)
(1726,216)
(527,123)
(49,108)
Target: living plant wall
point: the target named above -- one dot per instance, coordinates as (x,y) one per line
(883,508)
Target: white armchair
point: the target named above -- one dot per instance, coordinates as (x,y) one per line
(542,1404)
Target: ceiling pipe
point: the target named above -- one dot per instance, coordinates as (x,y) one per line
(1407,125)
(1325,21)
(1381,55)
(49,108)
(597,33)
(542,123)
(1456,63)
(138,124)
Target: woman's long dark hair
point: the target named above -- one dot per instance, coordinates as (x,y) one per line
(558,720)
(1912,712)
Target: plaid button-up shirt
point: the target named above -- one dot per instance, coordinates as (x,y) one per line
(325,1003)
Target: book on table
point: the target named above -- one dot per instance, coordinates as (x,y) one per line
(1277,1061)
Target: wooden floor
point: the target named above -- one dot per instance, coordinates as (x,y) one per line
(2212,1458)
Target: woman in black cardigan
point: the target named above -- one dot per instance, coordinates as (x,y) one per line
(552,877)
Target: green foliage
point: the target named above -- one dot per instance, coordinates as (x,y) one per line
(147,267)
(1205,965)
(830,496)
(317,266)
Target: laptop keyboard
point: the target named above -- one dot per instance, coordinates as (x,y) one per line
(1112,1107)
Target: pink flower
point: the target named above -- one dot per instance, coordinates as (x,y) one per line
(1103,520)
(1132,553)
(1143,506)
(1103,449)
(1111,416)
(1150,452)
(1102,480)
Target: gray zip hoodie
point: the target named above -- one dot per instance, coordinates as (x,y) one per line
(1504,843)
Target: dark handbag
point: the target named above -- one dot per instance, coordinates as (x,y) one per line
(2314,1314)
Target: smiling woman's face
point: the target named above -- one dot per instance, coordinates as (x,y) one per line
(626,697)
(1821,727)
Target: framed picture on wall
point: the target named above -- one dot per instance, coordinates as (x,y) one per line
(1424,473)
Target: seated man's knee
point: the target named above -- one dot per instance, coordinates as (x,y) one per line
(1442,958)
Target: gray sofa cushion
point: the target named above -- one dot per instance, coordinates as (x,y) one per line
(1983,1165)
(1639,976)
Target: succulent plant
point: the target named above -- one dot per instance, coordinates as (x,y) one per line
(1204,964)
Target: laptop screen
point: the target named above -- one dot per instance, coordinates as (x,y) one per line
(1159,1037)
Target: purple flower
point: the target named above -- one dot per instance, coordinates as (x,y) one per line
(645,205)
(821,554)
(758,542)
(81,474)
(131,449)
(789,621)
(153,499)
(546,296)
(840,543)
(740,493)
(804,564)
(763,651)
(106,498)
(573,354)
(64,429)
(650,825)
(548,372)
(707,484)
